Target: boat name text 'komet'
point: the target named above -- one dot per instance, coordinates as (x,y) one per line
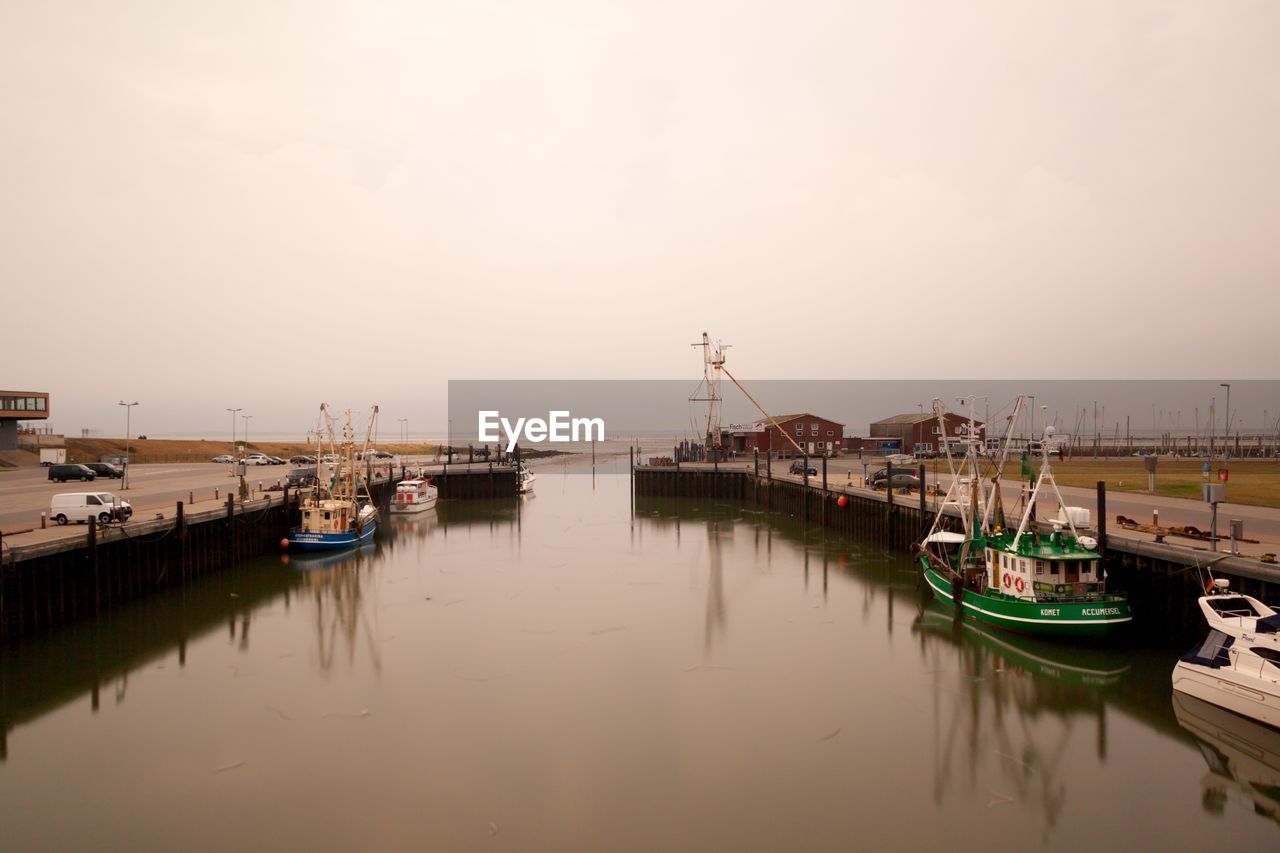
(560,426)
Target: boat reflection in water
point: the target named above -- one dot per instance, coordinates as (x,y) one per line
(1243,756)
(1006,707)
(333,584)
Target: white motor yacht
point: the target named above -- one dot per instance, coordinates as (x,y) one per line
(526,477)
(1237,666)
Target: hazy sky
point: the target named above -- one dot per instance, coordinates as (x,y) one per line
(269,205)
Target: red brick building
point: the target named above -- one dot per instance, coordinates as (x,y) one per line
(815,435)
(922,432)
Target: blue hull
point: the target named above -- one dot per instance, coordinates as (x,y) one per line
(303,541)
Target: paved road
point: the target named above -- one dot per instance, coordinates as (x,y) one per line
(1262,523)
(26,492)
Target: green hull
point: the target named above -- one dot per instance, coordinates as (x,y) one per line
(1085,619)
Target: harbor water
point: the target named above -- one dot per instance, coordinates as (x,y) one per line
(581,670)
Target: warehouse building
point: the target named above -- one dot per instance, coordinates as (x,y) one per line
(921,432)
(817,436)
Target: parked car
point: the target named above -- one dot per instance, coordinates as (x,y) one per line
(81,506)
(105,469)
(257,459)
(302,459)
(901,480)
(301,477)
(329,459)
(274,460)
(798,467)
(62,473)
(226,457)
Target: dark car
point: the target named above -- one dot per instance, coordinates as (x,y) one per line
(302,459)
(105,469)
(798,467)
(62,473)
(301,477)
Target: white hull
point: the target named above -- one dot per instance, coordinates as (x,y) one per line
(413,496)
(1237,666)
(413,508)
(1244,694)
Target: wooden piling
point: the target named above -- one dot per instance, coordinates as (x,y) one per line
(1102,518)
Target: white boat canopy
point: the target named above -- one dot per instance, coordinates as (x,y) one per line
(946,537)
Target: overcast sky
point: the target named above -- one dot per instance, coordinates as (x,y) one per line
(267,205)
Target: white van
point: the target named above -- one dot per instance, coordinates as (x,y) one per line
(81,506)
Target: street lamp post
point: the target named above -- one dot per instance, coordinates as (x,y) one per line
(1226,426)
(235,456)
(404,430)
(128,410)
(246,430)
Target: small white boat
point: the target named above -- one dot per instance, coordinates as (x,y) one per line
(526,477)
(1237,666)
(417,495)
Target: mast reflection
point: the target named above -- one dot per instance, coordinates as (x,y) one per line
(1006,708)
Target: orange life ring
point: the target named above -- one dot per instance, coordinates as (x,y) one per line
(1019,585)
(1008,581)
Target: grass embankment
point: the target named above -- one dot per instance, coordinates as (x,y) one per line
(202,450)
(1252,481)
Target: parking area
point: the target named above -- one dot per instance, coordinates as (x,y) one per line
(26,492)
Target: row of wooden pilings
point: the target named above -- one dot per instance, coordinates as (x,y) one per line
(78,579)
(894,521)
(1164,582)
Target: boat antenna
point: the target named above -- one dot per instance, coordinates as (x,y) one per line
(1006,444)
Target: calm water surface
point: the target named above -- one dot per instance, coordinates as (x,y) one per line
(563,673)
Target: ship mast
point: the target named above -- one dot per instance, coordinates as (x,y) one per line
(712,366)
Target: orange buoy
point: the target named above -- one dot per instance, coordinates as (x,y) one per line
(284,543)
(843,500)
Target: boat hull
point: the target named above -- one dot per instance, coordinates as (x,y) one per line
(414,507)
(300,540)
(1080,619)
(1226,688)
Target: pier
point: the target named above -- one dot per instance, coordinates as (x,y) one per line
(56,576)
(899,521)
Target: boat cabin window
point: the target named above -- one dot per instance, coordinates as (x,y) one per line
(1039,567)
(326,516)
(1272,656)
(1234,606)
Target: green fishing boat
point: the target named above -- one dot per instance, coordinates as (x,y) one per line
(1030,580)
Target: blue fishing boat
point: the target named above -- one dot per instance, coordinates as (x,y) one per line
(330,524)
(338,512)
